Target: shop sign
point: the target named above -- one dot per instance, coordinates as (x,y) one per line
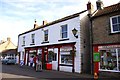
(66,49)
(96,57)
(109,46)
(32,51)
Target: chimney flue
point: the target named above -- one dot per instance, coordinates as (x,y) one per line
(99,4)
(35,24)
(44,22)
(8,39)
(90,7)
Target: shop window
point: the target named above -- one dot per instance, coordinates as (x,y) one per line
(64,31)
(115,24)
(110,59)
(119,59)
(66,59)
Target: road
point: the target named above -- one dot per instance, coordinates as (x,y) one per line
(25,72)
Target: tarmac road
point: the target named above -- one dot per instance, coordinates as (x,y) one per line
(26,72)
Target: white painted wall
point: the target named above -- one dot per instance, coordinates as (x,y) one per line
(53,37)
(54,34)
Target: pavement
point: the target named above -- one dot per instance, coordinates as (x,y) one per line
(15,72)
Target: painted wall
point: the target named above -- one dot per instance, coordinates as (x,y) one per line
(54,35)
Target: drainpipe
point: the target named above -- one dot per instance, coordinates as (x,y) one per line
(91,44)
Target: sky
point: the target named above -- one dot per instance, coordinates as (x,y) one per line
(18,16)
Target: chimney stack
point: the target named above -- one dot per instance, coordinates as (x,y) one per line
(44,22)
(99,4)
(90,7)
(35,24)
(8,38)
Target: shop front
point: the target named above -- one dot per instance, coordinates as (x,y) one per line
(54,57)
(109,58)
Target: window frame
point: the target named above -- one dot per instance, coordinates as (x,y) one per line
(46,35)
(33,38)
(115,58)
(65,32)
(23,43)
(111,24)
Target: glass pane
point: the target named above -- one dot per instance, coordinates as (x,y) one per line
(66,59)
(108,60)
(46,37)
(114,20)
(115,28)
(118,19)
(64,28)
(46,32)
(119,27)
(119,59)
(64,35)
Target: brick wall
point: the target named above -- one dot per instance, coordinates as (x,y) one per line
(101,30)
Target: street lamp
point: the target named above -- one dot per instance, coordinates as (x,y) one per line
(74,31)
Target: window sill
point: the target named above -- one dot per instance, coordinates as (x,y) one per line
(62,64)
(23,45)
(112,33)
(32,44)
(45,42)
(64,39)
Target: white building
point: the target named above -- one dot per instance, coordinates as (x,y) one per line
(57,37)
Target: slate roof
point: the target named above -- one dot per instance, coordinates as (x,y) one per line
(56,21)
(107,10)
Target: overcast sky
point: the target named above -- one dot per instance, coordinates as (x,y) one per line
(17,16)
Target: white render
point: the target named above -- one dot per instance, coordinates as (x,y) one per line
(53,37)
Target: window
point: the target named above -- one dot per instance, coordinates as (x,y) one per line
(115,24)
(110,59)
(46,35)
(33,38)
(64,31)
(23,41)
(66,59)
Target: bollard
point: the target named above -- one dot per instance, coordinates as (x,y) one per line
(95,76)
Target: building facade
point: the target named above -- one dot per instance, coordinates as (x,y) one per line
(106,36)
(70,52)
(6,47)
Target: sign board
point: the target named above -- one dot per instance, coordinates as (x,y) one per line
(96,57)
(65,49)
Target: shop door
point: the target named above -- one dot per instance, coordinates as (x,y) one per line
(44,59)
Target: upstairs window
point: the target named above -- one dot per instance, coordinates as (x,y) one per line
(23,41)
(115,24)
(33,38)
(64,31)
(46,35)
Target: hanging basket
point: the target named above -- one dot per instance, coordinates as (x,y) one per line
(73,53)
(51,53)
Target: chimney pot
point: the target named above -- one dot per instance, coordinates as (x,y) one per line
(90,7)
(8,39)
(35,24)
(44,22)
(99,4)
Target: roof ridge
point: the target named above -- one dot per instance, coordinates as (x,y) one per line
(111,5)
(107,10)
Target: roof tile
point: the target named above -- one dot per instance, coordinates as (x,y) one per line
(107,10)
